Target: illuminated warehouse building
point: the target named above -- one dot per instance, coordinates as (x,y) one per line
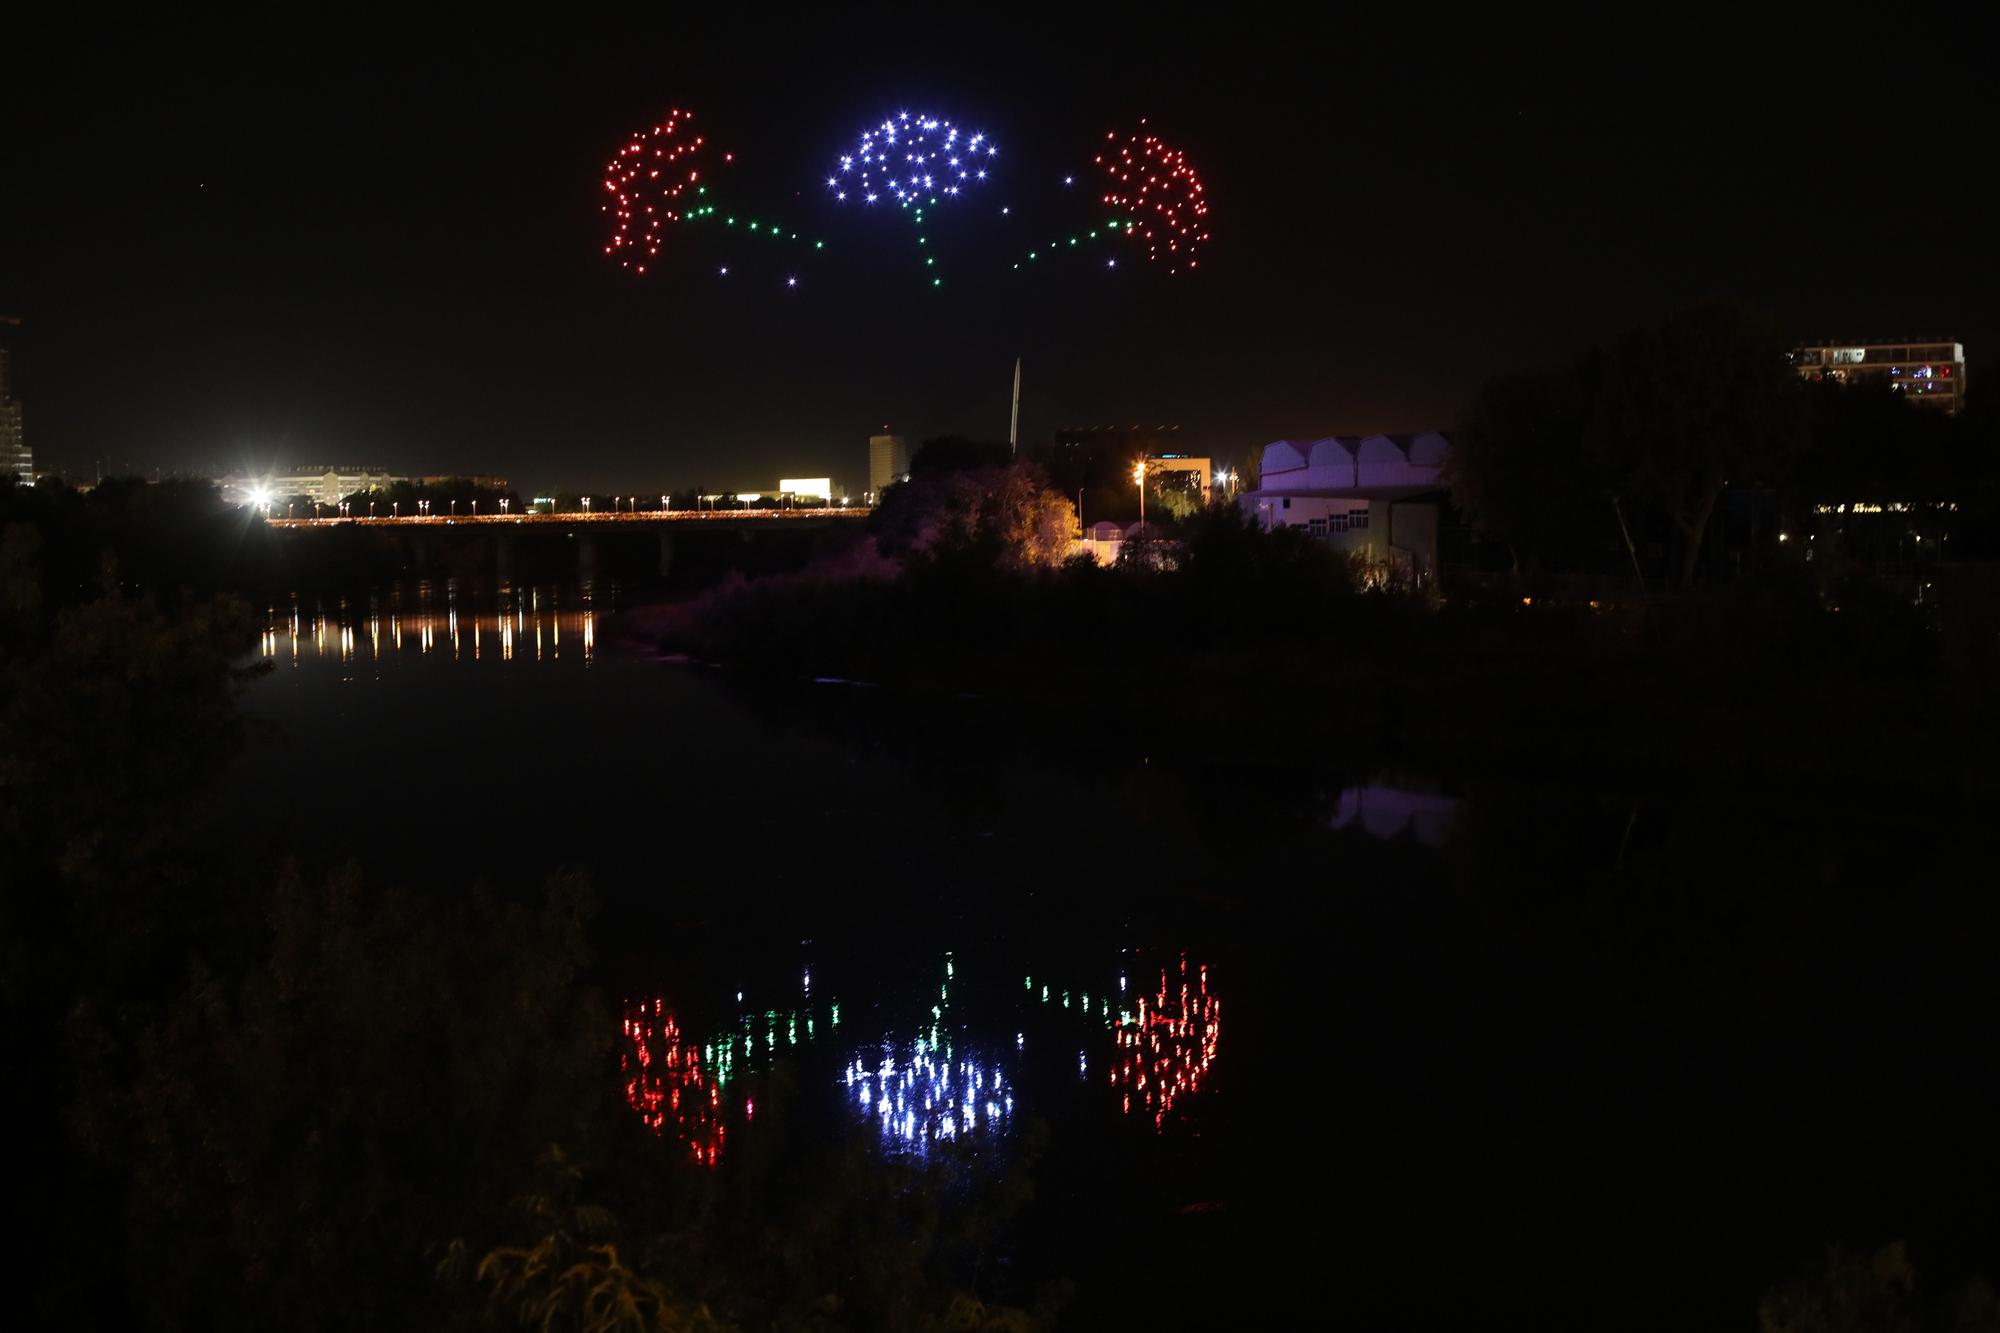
(1375,497)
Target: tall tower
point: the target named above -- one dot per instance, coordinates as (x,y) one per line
(888,461)
(16,460)
(1014,417)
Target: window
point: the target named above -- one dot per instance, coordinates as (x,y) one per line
(1317,527)
(1336,523)
(1357,520)
(1288,502)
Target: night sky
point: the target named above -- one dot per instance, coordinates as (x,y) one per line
(295,248)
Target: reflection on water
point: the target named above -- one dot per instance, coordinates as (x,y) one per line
(682,1086)
(952,1076)
(666,1081)
(922,1091)
(1386,812)
(438,619)
(1165,1052)
(924,1098)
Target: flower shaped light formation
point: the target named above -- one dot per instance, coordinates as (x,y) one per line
(913,160)
(1155,185)
(646,180)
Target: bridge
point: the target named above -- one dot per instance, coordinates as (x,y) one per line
(697,544)
(596,519)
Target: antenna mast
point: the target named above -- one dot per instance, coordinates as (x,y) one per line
(1014,421)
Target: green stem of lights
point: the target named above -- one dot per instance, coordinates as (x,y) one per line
(1114,227)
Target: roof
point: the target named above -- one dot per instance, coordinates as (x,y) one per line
(1393,494)
(1355,463)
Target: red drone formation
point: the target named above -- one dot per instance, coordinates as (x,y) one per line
(645,181)
(1161,192)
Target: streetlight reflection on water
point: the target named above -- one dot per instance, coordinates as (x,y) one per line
(434,619)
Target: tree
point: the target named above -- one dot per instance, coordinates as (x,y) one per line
(315,1121)
(1517,469)
(1684,409)
(1004,515)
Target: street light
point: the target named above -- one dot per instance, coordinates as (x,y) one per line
(1139,477)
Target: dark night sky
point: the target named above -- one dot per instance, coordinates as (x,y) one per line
(231,251)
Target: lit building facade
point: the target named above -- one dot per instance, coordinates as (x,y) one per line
(16,459)
(1375,497)
(1931,374)
(326,486)
(888,462)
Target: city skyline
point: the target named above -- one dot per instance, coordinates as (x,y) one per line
(404,263)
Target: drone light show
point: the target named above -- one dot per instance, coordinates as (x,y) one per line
(663,184)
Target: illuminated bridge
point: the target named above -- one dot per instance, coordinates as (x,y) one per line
(597,520)
(690,545)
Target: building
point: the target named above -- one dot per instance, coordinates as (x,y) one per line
(1931,373)
(807,488)
(1374,496)
(16,459)
(1093,464)
(1197,470)
(888,462)
(325,486)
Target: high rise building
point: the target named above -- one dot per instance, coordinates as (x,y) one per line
(1931,374)
(888,462)
(16,459)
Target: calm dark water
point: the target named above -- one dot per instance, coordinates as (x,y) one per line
(1305,1038)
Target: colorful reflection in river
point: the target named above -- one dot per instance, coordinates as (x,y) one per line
(929,1097)
(668,1083)
(1166,1048)
(950,1081)
(506,625)
(683,1087)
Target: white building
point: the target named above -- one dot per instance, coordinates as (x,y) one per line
(807,488)
(1375,496)
(15,455)
(888,462)
(326,486)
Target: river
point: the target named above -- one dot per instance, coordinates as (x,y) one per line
(1304,1034)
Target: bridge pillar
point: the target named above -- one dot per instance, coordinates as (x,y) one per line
(503,556)
(666,553)
(586,555)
